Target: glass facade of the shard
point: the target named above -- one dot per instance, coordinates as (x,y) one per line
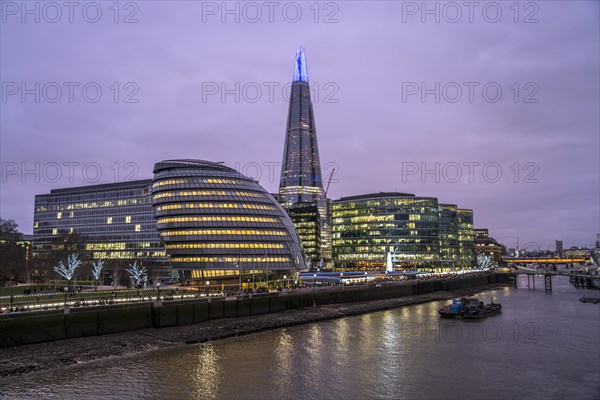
(301,178)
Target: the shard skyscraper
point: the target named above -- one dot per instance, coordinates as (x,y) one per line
(301,180)
(301,185)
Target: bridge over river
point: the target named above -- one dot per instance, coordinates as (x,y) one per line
(575,277)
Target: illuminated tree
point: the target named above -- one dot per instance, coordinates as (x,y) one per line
(137,274)
(484,262)
(96,270)
(67,272)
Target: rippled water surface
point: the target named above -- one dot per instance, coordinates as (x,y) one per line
(542,346)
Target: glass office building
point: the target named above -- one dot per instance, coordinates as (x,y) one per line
(449,244)
(365,228)
(419,232)
(115,222)
(305,217)
(218,225)
(466,238)
(301,180)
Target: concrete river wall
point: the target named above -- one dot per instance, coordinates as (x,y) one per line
(45,326)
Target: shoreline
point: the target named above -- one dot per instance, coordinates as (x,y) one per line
(26,359)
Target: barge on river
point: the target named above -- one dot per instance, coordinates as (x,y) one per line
(469,308)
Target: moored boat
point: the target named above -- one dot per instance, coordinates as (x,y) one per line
(593,300)
(469,308)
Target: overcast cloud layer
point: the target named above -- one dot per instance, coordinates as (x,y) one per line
(542,133)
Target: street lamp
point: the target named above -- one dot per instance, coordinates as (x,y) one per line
(342,278)
(157,290)
(285,281)
(315,280)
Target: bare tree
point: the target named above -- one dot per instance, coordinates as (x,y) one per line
(12,254)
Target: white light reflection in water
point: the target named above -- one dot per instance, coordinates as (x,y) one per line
(206,377)
(284,353)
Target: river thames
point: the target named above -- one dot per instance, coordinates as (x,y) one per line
(542,346)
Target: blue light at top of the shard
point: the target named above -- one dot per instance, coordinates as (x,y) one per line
(300,69)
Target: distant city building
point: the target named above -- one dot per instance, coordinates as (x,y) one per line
(448,232)
(558,248)
(220,226)
(301,181)
(419,232)
(466,238)
(114,220)
(481,233)
(488,246)
(305,217)
(576,252)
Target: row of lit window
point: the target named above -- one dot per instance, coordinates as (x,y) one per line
(168,182)
(198,274)
(301,190)
(381,257)
(136,228)
(127,254)
(194,193)
(108,203)
(206,180)
(212,273)
(366,218)
(228,218)
(115,246)
(216,205)
(383,240)
(229,259)
(223,232)
(384,202)
(172,246)
(207,193)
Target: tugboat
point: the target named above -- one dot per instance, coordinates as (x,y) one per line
(469,308)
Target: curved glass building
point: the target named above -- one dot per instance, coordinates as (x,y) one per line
(220,225)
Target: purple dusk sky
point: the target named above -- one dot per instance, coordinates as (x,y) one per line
(368,62)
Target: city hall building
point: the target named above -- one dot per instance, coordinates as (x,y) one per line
(220,226)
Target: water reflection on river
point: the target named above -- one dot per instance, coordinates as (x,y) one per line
(542,346)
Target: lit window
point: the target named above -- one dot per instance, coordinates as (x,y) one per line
(58,215)
(109,220)
(138,227)
(54,231)
(128,219)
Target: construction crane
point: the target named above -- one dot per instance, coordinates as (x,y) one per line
(328,183)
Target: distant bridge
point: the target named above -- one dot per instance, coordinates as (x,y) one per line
(578,279)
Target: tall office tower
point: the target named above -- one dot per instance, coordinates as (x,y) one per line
(301,183)
(301,180)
